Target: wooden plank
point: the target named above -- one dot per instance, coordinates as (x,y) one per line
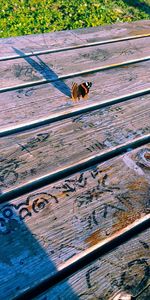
(114,31)
(32,104)
(122,272)
(30,155)
(72,38)
(40,231)
(49,67)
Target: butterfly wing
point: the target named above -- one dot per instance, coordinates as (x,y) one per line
(84,90)
(74,91)
(80,90)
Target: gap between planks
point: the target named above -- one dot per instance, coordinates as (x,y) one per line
(34,53)
(75,167)
(62,77)
(83,259)
(71,113)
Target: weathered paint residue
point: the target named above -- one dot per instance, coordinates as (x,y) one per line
(94,238)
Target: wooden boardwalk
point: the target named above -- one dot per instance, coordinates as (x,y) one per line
(75,175)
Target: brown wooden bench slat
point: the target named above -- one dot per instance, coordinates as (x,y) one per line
(40,231)
(33,104)
(50,66)
(63,39)
(71,169)
(30,155)
(85,45)
(119,30)
(125,269)
(74,176)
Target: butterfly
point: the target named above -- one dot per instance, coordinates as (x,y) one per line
(80,90)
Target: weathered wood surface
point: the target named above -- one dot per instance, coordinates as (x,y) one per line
(24,106)
(30,155)
(114,31)
(51,226)
(43,229)
(73,38)
(124,269)
(49,66)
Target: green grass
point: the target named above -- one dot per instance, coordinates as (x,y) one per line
(20,17)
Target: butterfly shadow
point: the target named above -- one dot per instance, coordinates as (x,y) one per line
(46,72)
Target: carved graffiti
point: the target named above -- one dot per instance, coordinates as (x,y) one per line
(71,185)
(96,145)
(98,55)
(94,193)
(24,92)
(133,280)
(111,137)
(8,166)
(136,276)
(25,71)
(143,158)
(35,141)
(92,220)
(33,204)
(8,172)
(88,276)
(84,199)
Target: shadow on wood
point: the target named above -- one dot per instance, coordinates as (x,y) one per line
(46,72)
(23,262)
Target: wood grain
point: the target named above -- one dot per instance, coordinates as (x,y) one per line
(63,39)
(34,103)
(43,229)
(50,66)
(30,155)
(124,270)
(114,31)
